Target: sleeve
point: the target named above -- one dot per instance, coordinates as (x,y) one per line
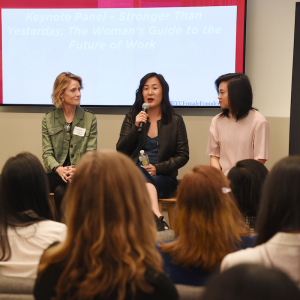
(129,136)
(261,141)
(92,142)
(213,145)
(48,152)
(181,156)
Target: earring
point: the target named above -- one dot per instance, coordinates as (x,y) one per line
(62,99)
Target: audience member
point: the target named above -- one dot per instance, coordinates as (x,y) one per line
(246,180)
(208,226)
(251,282)
(26,226)
(278,222)
(109,252)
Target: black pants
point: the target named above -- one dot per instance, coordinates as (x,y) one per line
(58,187)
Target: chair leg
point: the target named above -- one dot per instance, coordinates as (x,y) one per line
(160,206)
(171,215)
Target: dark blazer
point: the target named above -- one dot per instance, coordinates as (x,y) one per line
(173,147)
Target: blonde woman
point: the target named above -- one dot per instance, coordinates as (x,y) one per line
(109,252)
(208,226)
(68,132)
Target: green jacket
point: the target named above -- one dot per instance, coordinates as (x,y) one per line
(56,147)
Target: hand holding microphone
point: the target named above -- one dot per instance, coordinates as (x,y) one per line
(142,116)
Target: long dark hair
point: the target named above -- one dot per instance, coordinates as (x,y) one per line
(166,107)
(246,181)
(280,206)
(24,196)
(239,94)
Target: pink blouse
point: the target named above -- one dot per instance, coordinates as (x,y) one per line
(232,140)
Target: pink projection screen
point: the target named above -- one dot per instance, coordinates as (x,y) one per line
(112,44)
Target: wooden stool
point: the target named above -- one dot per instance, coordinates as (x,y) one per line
(52,205)
(170,202)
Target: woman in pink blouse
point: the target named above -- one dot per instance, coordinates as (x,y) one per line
(240,131)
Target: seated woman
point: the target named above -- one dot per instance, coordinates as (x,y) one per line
(26,226)
(68,132)
(163,137)
(240,131)
(277,224)
(208,226)
(109,252)
(246,180)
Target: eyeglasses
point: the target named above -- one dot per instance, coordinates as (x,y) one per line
(67,129)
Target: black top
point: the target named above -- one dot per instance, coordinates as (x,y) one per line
(173,147)
(163,288)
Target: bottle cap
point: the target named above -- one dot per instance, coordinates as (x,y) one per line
(142,151)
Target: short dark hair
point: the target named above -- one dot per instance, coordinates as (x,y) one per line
(239,94)
(251,281)
(167,108)
(246,180)
(280,206)
(24,196)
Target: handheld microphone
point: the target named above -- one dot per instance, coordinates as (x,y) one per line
(145,107)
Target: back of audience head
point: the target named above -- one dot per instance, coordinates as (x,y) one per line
(24,196)
(280,206)
(249,282)
(246,180)
(208,223)
(111,231)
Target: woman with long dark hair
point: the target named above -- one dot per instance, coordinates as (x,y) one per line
(109,252)
(278,222)
(240,131)
(163,137)
(26,226)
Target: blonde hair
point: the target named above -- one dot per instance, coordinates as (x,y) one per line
(111,231)
(208,223)
(62,81)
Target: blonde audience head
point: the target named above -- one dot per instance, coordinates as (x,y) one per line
(208,223)
(111,230)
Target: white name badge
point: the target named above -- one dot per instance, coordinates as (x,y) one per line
(79,131)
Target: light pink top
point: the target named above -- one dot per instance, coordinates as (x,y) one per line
(282,251)
(232,140)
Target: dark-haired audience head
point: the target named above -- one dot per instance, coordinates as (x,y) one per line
(246,180)
(249,282)
(24,196)
(208,223)
(111,230)
(24,187)
(279,209)
(240,94)
(167,108)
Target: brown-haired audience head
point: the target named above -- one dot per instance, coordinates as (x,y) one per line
(208,223)
(279,209)
(62,81)
(111,230)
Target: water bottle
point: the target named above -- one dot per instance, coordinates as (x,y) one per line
(143,158)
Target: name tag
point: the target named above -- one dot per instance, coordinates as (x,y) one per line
(79,131)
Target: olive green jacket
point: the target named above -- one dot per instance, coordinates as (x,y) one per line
(56,147)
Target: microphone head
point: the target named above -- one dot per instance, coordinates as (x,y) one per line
(145,106)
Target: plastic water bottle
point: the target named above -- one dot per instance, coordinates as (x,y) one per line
(143,158)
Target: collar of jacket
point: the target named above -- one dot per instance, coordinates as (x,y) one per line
(61,118)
